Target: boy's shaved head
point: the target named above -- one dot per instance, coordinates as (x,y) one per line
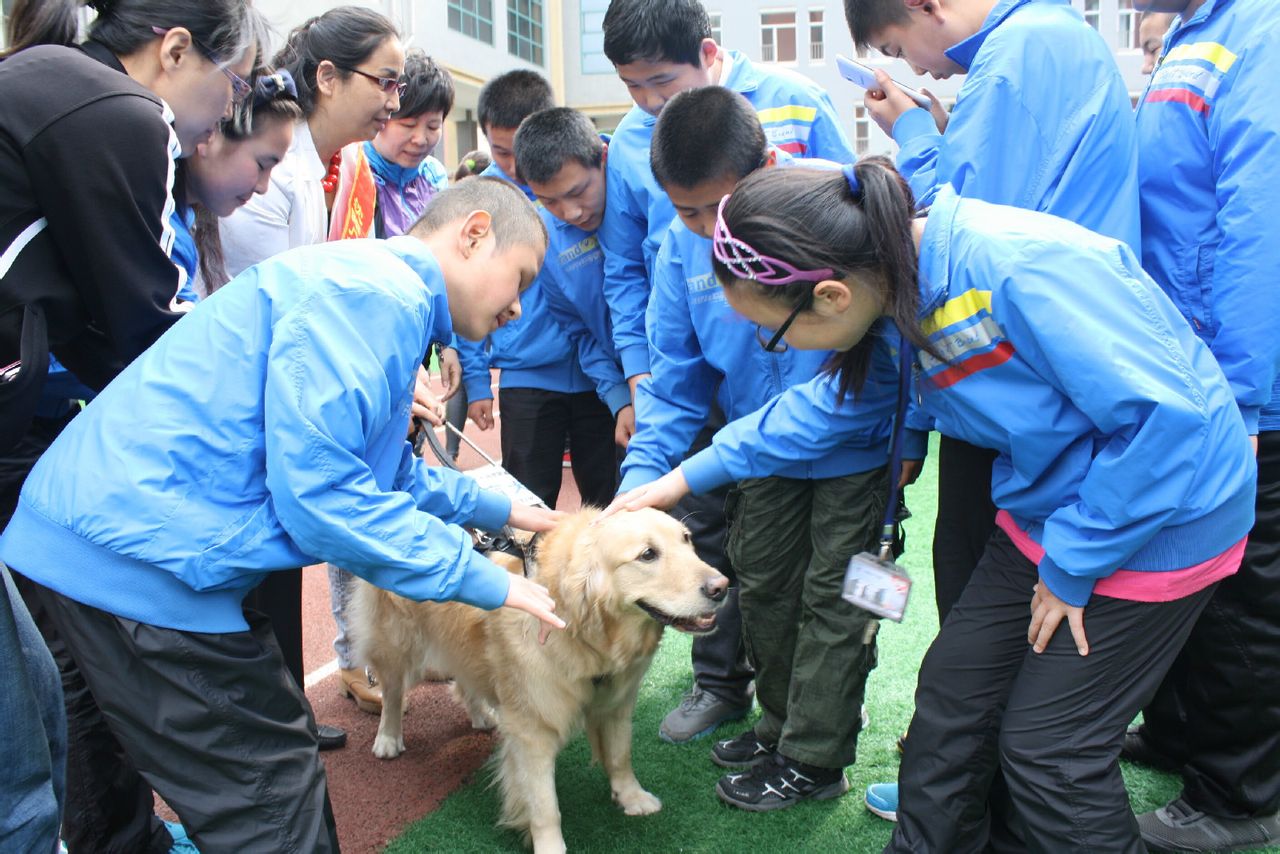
(514,218)
(866,18)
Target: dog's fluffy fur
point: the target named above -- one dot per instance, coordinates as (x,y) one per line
(616,584)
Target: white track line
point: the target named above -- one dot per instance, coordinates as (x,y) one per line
(315,677)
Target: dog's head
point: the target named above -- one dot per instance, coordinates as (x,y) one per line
(644,562)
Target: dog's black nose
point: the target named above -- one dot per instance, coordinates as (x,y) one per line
(715,588)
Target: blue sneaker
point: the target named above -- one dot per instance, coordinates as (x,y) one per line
(181,843)
(882,800)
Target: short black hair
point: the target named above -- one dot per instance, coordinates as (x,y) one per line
(429,89)
(506,100)
(704,134)
(868,17)
(547,140)
(655,31)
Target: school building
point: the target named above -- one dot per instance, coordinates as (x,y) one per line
(562,39)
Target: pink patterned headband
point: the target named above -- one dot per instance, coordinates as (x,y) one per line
(746,263)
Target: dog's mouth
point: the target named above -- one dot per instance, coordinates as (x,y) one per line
(698,625)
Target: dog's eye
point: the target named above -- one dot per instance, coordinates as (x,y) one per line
(649,555)
(688,538)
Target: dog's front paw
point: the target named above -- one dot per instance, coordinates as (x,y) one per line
(638,802)
(483,719)
(386,747)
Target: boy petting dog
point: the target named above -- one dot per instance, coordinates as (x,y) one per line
(293,454)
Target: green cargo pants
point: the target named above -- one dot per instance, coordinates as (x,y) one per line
(790,541)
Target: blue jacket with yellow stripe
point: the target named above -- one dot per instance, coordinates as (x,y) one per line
(798,117)
(1042,122)
(1119,442)
(1210,138)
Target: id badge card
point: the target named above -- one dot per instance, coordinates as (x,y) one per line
(876,585)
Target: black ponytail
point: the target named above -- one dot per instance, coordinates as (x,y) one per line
(345,35)
(224,28)
(813,219)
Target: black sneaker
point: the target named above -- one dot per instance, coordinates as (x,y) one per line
(742,751)
(779,783)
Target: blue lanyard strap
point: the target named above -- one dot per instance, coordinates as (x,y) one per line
(895,456)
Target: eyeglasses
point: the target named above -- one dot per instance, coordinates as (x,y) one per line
(240,87)
(386,84)
(776,344)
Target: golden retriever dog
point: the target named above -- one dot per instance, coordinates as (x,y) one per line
(616,585)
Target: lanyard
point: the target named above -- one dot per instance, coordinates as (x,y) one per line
(895,454)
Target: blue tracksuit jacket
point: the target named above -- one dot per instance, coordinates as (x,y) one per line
(703,351)
(1210,139)
(1119,442)
(292,452)
(1042,122)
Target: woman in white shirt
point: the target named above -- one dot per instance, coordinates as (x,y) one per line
(347,64)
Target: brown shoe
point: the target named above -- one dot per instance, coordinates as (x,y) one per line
(360,685)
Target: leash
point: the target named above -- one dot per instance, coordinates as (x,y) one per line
(888,533)
(505,541)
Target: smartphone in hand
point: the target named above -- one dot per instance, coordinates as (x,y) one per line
(864,76)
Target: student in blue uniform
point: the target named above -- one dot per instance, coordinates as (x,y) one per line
(1209,144)
(791,533)
(296,455)
(562,157)
(1124,475)
(505,102)
(1043,122)
(660,48)
(548,402)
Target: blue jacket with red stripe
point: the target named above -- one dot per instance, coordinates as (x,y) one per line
(1119,442)
(798,117)
(1210,138)
(1042,122)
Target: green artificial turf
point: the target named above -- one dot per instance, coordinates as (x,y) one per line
(683,777)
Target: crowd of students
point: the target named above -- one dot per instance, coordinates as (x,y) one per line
(715,310)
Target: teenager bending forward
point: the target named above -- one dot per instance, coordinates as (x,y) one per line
(1124,478)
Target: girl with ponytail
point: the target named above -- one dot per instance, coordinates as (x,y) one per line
(1124,477)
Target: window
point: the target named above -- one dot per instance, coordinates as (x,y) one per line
(592,16)
(816,50)
(861,131)
(716,32)
(1093,13)
(524,30)
(1128,26)
(472,18)
(778,36)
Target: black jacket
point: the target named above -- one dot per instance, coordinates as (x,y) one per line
(87,159)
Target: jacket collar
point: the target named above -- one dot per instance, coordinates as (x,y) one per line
(390,173)
(934,263)
(742,76)
(102,53)
(963,53)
